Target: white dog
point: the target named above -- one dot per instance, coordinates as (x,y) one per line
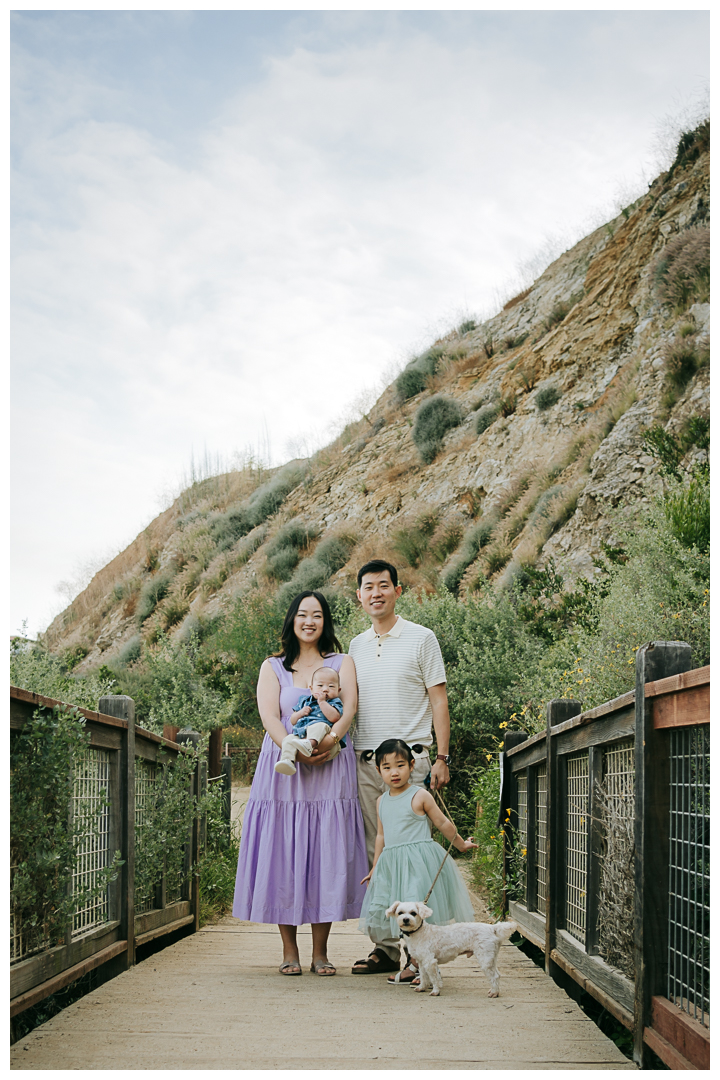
(432,945)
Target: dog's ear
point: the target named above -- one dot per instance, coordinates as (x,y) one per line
(424,911)
(392,910)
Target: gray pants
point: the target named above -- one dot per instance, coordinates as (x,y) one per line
(370,787)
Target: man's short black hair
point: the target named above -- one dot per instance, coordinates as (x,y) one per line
(376,566)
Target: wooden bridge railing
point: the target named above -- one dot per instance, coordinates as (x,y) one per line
(120,763)
(607,850)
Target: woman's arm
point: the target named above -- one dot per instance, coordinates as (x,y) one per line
(379,844)
(423,802)
(348,694)
(268,699)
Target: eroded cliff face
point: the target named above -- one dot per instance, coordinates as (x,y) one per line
(576,369)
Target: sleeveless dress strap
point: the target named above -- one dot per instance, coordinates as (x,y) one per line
(284,676)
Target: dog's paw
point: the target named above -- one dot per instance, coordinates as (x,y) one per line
(493,993)
(420,989)
(434,993)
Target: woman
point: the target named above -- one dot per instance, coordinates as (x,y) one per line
(302,852)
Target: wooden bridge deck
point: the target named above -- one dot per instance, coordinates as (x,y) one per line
(215,1001)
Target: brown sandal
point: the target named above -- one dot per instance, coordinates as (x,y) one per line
(377,963)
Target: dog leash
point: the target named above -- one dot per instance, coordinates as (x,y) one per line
(438,796)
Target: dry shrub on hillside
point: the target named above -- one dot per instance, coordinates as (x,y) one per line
(682,269)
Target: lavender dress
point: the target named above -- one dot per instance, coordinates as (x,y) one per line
(302,850)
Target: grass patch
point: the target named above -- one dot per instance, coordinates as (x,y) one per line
(412,543)
(508,404)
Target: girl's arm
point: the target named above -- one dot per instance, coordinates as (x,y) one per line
(423,802)
(268,699)
(379,844)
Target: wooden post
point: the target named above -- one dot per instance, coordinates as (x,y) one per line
(657,660)
(508,801)
(215,752)
(195,849)
(226,768)
(558,711)
(123,707)
(170,732)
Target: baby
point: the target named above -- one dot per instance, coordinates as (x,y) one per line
(314,717)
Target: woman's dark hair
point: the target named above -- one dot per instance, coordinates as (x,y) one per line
(390,746)
(327,642)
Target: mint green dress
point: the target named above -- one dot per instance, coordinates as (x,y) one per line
(406,869)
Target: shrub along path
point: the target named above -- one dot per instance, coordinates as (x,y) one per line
(216,1001)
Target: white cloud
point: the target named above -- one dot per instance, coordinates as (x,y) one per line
(334,212)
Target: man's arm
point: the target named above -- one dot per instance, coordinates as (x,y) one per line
(440,774)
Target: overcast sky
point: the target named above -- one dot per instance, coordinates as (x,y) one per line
(227,225)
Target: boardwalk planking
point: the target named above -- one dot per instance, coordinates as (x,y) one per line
(215,1001)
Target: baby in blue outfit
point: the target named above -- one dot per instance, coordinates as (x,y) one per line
(312,720)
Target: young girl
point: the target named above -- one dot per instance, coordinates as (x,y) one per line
(406,858)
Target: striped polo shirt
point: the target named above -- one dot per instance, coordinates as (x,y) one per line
(394,671)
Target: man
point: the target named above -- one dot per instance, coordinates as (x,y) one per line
(402,694)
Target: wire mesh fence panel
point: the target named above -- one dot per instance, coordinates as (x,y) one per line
(689,884)
(522,810)
(616,805)
(145,781)
(91,815)
(578,790)
(540,837)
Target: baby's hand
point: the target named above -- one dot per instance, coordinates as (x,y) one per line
(294,717)
(467,844)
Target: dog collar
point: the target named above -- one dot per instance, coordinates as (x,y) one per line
(407,933)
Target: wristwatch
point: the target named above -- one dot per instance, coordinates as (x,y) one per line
(443,757)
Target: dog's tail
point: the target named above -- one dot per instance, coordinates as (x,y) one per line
(504,930)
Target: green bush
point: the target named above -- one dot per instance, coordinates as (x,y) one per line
(485,418)
(412,543)
(683,359)
(476,538)
(409,383)
(433,420)
(130,651)
(283,551)
(415,377)
(45,839)
(682,269)
(687,509)
(179,693)
(226,529)
(691,145)
(34,668)
(547,397)
(152,592)
(329,556)
(466,326)
(281,564)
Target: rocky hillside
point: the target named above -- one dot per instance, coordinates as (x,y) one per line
(504,444)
